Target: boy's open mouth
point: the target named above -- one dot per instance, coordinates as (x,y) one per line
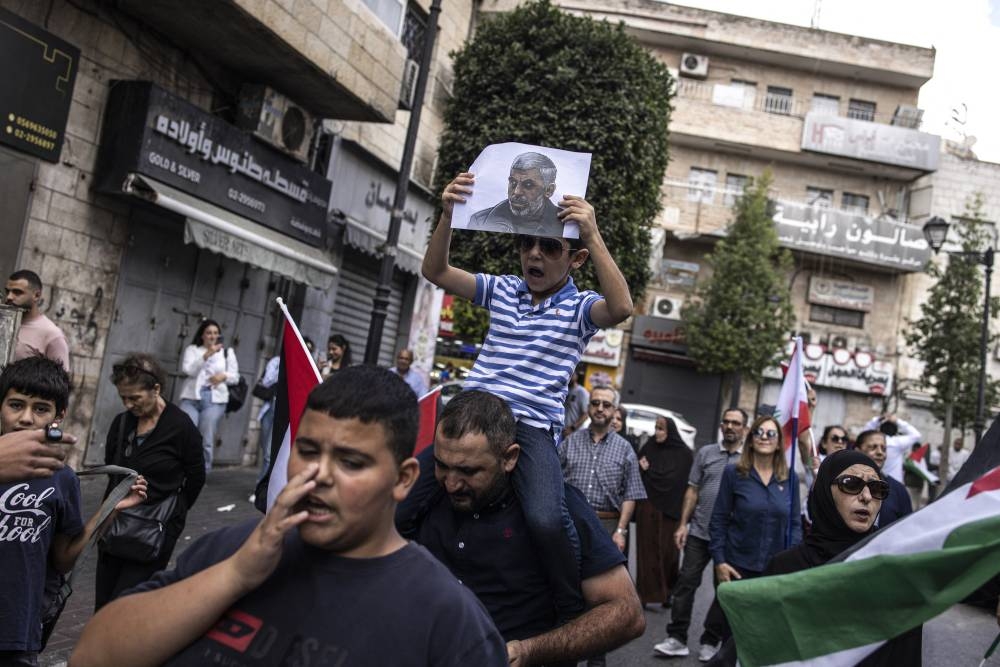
(535,272)
(314,506)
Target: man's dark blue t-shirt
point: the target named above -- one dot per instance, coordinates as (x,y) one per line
(491,553)
(318,608)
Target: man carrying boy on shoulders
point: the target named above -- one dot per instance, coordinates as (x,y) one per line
(539,326)
(324,577)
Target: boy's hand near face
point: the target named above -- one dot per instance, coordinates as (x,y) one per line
(260,554)
(617,303)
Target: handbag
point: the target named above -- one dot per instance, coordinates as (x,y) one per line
(237,392)
(138,533)
(263,392)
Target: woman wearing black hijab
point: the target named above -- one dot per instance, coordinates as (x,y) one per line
(843,505)
(664,463)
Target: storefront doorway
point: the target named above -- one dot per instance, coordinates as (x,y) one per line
(165,288)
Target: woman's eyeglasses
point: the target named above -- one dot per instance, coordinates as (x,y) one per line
(551,248)
(838,438)
(853,485)
(765,434)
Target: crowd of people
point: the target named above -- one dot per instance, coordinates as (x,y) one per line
(504,543)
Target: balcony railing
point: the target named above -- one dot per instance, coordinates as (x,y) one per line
(756,99)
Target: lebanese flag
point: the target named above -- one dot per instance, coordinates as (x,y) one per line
(916,463)
(792,409)
(297,376)
(912,570)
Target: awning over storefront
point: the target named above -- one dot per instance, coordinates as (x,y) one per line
(373,242)
(218,230)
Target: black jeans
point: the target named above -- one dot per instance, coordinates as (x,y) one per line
(696,557)
(717,628)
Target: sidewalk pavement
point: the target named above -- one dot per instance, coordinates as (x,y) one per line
(222,502)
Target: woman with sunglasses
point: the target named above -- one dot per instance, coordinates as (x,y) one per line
(756,515)
(155,438)
(834,439)
(843,505)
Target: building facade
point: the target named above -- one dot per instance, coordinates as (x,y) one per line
(947,193)
(210,158)
(834,118)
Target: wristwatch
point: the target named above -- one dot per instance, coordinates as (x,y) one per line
(622,531)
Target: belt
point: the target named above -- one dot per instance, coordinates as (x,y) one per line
(601,514)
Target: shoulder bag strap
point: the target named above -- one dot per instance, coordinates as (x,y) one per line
(121,490)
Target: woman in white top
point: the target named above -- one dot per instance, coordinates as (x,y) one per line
(209,368)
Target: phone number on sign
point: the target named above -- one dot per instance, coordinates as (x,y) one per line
(246,200)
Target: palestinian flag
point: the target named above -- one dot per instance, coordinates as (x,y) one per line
(912,571)
(916,463)
(792,409)
(297,376)
(429,403)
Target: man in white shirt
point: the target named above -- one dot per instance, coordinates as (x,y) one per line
(900,436)
(411,376)
(959,455)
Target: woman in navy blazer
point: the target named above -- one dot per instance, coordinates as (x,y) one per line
(756,514)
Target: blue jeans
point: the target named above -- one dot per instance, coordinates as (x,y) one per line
(206,416)
(264,442)
(538,483)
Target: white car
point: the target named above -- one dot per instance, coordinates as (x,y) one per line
(640,420)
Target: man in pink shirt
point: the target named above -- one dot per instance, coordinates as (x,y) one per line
(38,334)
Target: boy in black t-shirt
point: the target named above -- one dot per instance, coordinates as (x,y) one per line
(40,521)
(324,578)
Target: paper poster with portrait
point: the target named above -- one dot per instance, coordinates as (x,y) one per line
(518,187)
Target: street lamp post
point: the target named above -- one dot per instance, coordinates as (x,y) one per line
(935,231)
(380,305)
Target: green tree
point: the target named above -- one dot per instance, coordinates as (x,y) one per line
(741,317)
(946,338)
(536,75)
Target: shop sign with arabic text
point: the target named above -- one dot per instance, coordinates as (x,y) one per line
(827,231)
(604,348)
(151,132)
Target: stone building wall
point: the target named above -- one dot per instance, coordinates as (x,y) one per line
(74,238)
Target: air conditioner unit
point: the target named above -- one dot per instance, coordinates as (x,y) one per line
(694,66)
(666,306)
(277,120)
(408,89)
(907,116)
(837,342)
